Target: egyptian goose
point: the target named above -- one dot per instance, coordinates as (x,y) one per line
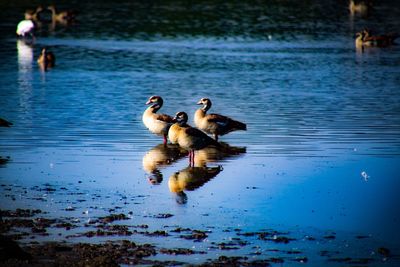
(378,40)
(365,39)
(215,124)
(362,7)
(62,16)
(34,14)
(359,40)
(46,59)
(5,123)
(188,137)
(25,27)
(157,123)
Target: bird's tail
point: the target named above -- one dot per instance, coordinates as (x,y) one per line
(238,125)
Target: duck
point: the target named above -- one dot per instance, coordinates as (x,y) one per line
(158,124)
(215,124)
(34,14)
(378,40)
(365,39)
(62,16)
(189,138)
(46,59)
(5,123)
(359,40)
(362,7)
(25,28)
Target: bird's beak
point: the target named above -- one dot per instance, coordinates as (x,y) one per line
(148,102)
(199,103)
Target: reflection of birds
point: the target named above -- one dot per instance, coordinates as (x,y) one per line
(215,124)
(62,16)
(25,27)
(34,14)
(157,123)
(361,8)
(365,39)
(188,137)
(190,179)
(25,55)
(4,161)
(212,153)
(159,156)
(46,59)
(5,123)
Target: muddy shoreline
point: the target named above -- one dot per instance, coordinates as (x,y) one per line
(23,229)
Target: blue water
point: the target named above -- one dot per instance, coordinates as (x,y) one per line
(321,153)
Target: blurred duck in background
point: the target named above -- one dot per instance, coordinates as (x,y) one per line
(361,8)
(34,14)
(366,39)
(62,17)
(46,59)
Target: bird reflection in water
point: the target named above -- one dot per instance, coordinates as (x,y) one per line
(25,68)
(214,154)
(158,157)
(193,177)
(25,55)
(190,178)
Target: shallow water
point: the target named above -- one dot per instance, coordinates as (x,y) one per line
(321,153)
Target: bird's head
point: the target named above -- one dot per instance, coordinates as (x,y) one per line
(155,99)
(181,117)
(206,102)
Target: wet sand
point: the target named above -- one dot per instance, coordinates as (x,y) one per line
(35,237)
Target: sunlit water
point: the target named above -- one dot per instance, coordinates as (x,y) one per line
(323,142)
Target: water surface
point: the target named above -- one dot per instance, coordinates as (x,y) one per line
(321,153)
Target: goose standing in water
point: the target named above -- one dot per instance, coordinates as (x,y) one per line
(188,137)
(215,124)
(157,123)
(46,59)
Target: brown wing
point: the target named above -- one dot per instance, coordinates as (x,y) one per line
(200,138)
(217,118)
(226,124)
(164,118)
(375,38)
(195,132)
